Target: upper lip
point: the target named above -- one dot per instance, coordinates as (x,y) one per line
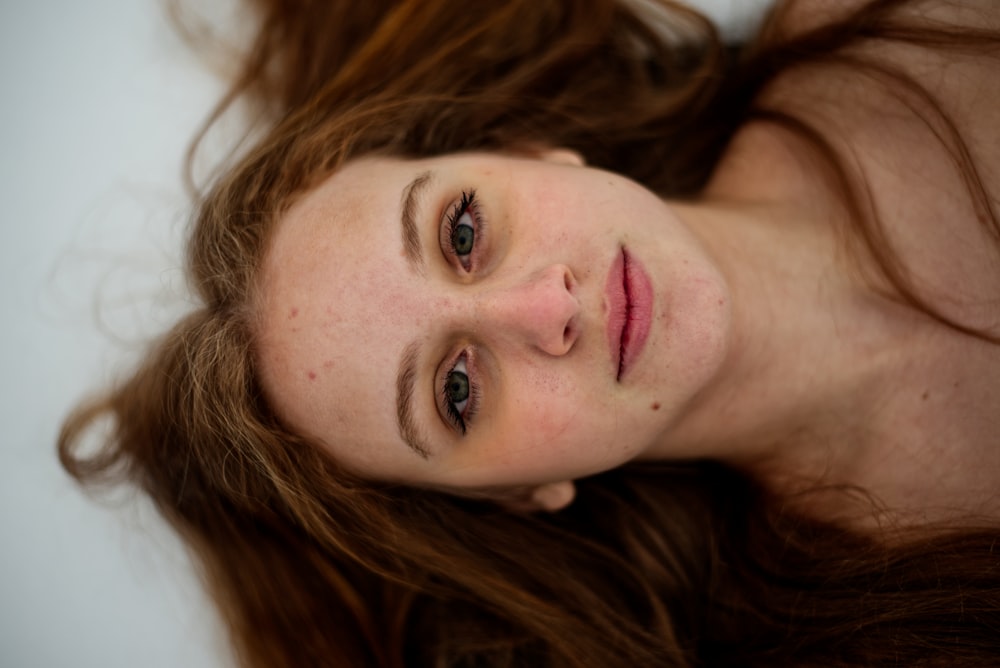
(629,295)
(618,305)
(628,312)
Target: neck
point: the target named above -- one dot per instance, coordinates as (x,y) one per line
(813,351)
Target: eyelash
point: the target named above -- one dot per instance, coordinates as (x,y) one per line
(461,419)
(467,204)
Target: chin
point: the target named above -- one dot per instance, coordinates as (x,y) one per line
(693,339)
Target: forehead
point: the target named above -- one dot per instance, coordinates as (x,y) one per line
(329,341)
(334,249)
(361,187)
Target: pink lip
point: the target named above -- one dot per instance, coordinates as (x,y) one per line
(630,311)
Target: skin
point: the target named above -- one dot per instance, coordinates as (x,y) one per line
(528,307)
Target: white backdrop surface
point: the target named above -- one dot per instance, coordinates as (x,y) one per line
(97,102)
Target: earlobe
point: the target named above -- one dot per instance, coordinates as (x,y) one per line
(557,156)
(550,497)
(554,496)
(562,156)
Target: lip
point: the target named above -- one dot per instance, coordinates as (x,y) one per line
(629,294)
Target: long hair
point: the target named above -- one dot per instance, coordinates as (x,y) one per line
(680,565)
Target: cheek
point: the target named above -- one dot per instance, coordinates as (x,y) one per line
(546,409)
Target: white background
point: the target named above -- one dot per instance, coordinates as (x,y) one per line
(98,100)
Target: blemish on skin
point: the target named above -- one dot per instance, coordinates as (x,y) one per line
(312,375)
(328,364)
(925,395)
(655,406)
(293,313)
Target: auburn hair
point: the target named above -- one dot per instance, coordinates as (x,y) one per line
(671,565)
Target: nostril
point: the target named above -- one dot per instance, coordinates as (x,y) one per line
(568,280)
(569,333)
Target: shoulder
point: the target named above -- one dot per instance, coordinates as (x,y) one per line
(912,111)
(792,18)
(797,17)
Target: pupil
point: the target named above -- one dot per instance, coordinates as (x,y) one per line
(463,238)
(458,387)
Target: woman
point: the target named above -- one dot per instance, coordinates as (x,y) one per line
(463,392)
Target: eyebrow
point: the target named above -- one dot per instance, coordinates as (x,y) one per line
(405,381)
(408,218)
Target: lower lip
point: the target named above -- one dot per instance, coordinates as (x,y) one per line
(630,302)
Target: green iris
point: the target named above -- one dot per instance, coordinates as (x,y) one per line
(457,387)
(463,237)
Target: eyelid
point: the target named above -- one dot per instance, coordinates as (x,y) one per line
(441,398)
(468,202)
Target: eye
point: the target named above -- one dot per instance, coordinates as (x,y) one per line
(463,235)
(460,395)
(461,229)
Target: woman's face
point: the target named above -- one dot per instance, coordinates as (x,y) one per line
(487,322)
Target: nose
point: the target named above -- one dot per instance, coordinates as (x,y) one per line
(541,310)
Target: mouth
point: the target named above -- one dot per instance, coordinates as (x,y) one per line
(629,293)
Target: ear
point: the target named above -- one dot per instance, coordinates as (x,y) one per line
(562,156)
(550,497)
